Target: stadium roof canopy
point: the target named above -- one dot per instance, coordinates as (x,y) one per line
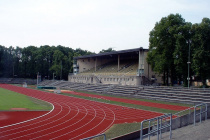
(130,51)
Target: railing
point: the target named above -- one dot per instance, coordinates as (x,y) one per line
(201,111)
(95,137)
(161,122)
(158,120)
(160,126)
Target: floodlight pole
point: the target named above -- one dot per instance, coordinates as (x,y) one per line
(188,63)
(37,78)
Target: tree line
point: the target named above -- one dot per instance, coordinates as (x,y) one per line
(47,61)
(180,50)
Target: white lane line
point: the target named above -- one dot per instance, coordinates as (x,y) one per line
(29,119)
(110,123)
(77,122)
(27,129)
(69,110)
(56,130)
(30,124)
(95,125)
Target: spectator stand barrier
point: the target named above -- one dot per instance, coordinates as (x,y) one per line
(160,123)
(203,109)
(95,137)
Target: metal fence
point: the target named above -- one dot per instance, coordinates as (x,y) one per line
(198,111)
(160,125)
(203,109)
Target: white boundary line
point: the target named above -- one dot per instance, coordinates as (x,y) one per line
(30,119)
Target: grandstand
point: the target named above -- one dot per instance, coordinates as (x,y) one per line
(18,81)
(126,67)
(173,94)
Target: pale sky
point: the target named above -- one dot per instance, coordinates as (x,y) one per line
(90,24)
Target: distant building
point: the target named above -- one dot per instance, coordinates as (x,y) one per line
(125,67)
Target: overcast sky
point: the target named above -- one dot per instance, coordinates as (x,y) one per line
(90,24)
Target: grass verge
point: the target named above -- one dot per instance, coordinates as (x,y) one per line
(10,99)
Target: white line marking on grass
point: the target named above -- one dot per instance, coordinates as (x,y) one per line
(29,119)
(30,124)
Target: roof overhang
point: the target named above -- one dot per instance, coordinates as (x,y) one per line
(111,53)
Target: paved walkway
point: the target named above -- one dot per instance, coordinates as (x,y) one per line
(199,132)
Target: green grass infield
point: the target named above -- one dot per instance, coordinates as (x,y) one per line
(10,100)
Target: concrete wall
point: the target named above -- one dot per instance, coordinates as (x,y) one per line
(122,80)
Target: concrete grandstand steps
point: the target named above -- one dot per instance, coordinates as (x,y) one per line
(18,81)
(180,93)
(49,83)
(63,84)
(183,95)
(176,97)
(75,86)
(44,83)
(169,99)
(124,90)
(86,87)
(171,94)
(99,88)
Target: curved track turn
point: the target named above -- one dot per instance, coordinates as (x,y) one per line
(71,118)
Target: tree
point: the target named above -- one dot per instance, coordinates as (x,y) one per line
(182,53)
(107,50)
(201,49)
(2,49)
(29,62)
(162,46)
(57,63)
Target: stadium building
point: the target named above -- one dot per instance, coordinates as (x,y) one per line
(125,67)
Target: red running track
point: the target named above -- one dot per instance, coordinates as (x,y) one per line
(136,102)
(71,118)
(10,117)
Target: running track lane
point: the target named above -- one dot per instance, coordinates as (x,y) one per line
(136,102)
(71,118)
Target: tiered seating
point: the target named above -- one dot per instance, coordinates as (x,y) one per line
(45,82)
(99,88)
(183,95)
(176,94)
(17,81)
(131,70)
(126,90)
(5,80)
(125,68)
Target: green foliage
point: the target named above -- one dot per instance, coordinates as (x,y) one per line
(181,52)
(174,42)
(107,50)
(201,49)
(162,45)
(45,60)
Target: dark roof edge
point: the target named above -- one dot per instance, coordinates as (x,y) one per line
(110,53)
